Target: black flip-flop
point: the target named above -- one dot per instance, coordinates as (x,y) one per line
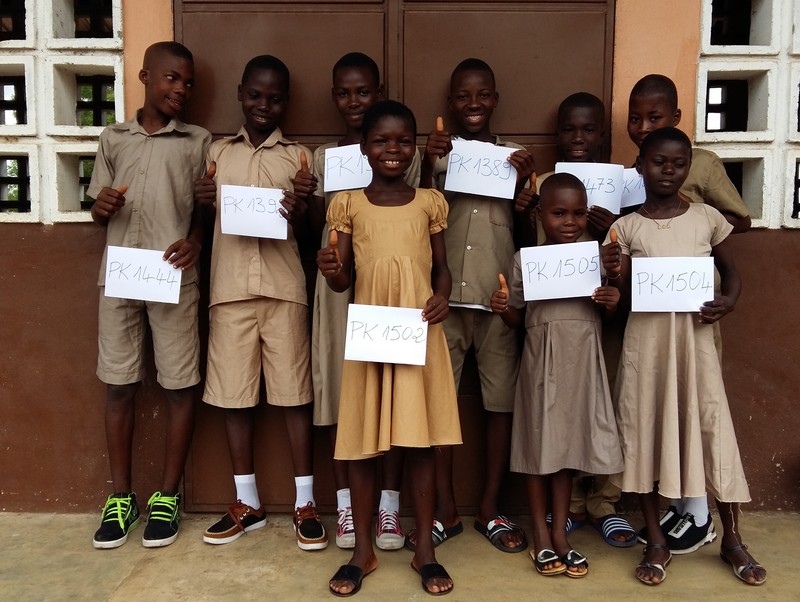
(439,533)
(496,527)
(430,571)
(351,573)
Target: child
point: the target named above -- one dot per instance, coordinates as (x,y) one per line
(653,104)
(674,420)
(142,183)
(356,87)
(580,131)
(393,234)
(258,317)
(480,243)
(563,418)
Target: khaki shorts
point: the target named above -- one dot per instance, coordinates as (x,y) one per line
(176,345)
(496,351)
(246,336)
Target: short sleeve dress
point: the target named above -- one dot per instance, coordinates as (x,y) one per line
(673,415)
(563,416)
(384,405)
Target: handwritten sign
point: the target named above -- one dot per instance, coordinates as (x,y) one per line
(667,284)
(603,182)
(346,168)
(391,335)
(560,271)
(252,211)
(141,274)
(633,192)
(480,168)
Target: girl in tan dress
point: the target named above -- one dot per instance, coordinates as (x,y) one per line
(675,425)
(563,418)
(393,234)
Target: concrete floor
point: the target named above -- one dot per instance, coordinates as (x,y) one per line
(50,557)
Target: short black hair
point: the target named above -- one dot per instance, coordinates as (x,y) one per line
(358,60)
(387,108)
(268,63)
(471,64)
(176,49)
(581,100)
(558,181)
(657,85)
(661,135)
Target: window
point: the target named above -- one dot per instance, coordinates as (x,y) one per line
(726,106)
(93,19)
(14,184)
(85,168)
(730,22)
(12,20)
(12,104)
(95,102)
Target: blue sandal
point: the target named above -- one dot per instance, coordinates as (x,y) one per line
(613,524)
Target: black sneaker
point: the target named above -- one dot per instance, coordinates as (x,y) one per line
(163,521)
(240,519)
(686,537)
(310,533)
(669,519)
(120,515)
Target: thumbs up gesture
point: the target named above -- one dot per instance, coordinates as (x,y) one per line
(438,144)
(499,301)
(108,202)
(205,189)
(328,259)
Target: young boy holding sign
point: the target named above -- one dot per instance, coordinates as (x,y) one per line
(258,315)
(563,418)
(480,244)
(356,87)
(675,425)
(143,195)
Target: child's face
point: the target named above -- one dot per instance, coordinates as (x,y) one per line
(389,147)
(168,81)
(579,135)
(647,113)
(664,168)
(354,91)
(264,97)
(563,214)
(472,101)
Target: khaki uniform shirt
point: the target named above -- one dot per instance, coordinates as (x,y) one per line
(708,183)
(160,170)
(246,267)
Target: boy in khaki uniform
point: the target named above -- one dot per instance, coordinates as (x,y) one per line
(258,317)
(142,183)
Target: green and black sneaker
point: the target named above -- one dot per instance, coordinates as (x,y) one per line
(120,515)
(163,521)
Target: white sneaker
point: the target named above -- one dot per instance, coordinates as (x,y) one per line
(389,535)
(345,532)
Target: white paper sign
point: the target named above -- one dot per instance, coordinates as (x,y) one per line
(480,168)
(252,211)
(603,182)
(671,283)
(560,271)
(391,335)
(346,168)
(633,192)
(141,274)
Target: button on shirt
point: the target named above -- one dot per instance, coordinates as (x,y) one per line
(246,267)
(479,239)
(160,170)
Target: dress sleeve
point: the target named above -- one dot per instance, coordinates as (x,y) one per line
(438,212)
(516,296)
(339,217)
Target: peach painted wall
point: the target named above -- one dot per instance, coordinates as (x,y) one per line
(651,38)
(143,23)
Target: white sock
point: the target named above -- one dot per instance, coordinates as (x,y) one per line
(697,507)
(246,489)
(390,500)
(305,491)
(343,498)
(678,504)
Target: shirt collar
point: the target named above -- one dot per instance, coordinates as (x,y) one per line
(276,137)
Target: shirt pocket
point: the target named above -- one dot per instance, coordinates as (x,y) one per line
(500,213)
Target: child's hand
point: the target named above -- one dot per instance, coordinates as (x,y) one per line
(205,190)
(109,201)
(182,254)
(600,220)
(328,260)
(304,184)
(607,296)
(526,199)
(499,300)
(611,256)
(438,144)
(522,161)
(712,311)
(294,206)
(436,309)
